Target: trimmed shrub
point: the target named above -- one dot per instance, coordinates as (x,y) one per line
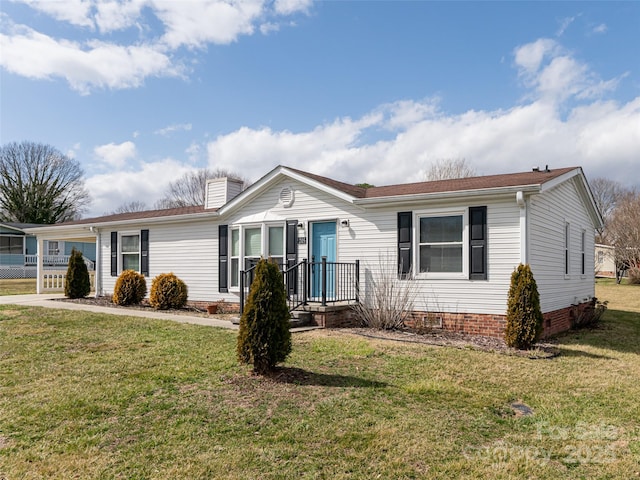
(168,291)
(130,289)
(264,338)
(77,283)
(524,317)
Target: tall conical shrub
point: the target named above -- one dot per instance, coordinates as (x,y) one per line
(264,338)
(524,317)
(77,283)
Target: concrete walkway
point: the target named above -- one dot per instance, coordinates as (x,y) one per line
(48,301)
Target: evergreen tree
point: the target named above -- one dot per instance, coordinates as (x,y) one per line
(524,317)
(264,338)
(77,284)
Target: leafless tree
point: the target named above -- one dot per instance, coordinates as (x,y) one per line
(449,168)
(134,206)
(38,184)
(624,229)
(606,194)
(190,188)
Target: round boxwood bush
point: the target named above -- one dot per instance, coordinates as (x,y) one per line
(77,284)
(524,317)
(130,289)
(168,291)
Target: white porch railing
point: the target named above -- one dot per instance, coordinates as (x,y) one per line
(56,261)
(53,280)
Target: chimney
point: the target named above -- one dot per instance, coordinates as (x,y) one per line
(220,191)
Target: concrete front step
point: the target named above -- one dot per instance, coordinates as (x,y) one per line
(298,319)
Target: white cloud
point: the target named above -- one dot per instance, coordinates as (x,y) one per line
(166,131)
(287,7)
(564,24)
(555,75)
(147,184)
(602,137)
(602,28)
(98,62)
(76,12)
(116,155)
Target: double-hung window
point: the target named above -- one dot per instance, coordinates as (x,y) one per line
(130,252)
(11,245)
(235,257)
(276,245)
(247,244)
(252,246)
(441,240)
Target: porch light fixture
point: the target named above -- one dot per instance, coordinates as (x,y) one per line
(344,223)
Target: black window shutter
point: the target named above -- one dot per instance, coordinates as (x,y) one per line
(144,252)
(404,243)
(478,243)
(292,255)
(223,270)
(114,254)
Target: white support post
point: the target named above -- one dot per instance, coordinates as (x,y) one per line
(39,266)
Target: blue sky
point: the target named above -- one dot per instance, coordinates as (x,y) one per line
(142,91)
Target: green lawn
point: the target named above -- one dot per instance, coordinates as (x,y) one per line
(97,396)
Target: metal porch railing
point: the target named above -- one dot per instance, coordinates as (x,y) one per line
(312,282)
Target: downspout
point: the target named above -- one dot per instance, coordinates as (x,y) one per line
(522,203)
(98,265)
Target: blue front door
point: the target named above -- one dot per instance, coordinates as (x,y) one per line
(323,244)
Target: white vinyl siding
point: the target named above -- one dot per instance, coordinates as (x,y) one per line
(189,250)
(549,214)
(371,237)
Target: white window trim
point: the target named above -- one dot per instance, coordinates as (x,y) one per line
(129,233)
(442,212)
(264,245)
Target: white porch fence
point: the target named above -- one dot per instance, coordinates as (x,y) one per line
(53,280)
(55,261)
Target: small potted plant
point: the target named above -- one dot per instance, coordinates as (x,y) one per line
(212,308)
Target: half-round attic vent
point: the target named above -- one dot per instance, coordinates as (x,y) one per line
(286,197)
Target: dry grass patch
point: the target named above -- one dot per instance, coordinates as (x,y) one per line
(17,286)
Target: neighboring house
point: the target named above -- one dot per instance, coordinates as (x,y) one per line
(456,241)
(19,251)
(605,264)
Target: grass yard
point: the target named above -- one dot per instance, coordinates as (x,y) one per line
(97,396)
(18,286)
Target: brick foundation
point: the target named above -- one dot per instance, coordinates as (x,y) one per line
(343,316)
(493,325)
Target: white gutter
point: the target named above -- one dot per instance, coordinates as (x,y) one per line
(422,197)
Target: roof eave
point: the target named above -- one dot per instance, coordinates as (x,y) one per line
(134,221)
